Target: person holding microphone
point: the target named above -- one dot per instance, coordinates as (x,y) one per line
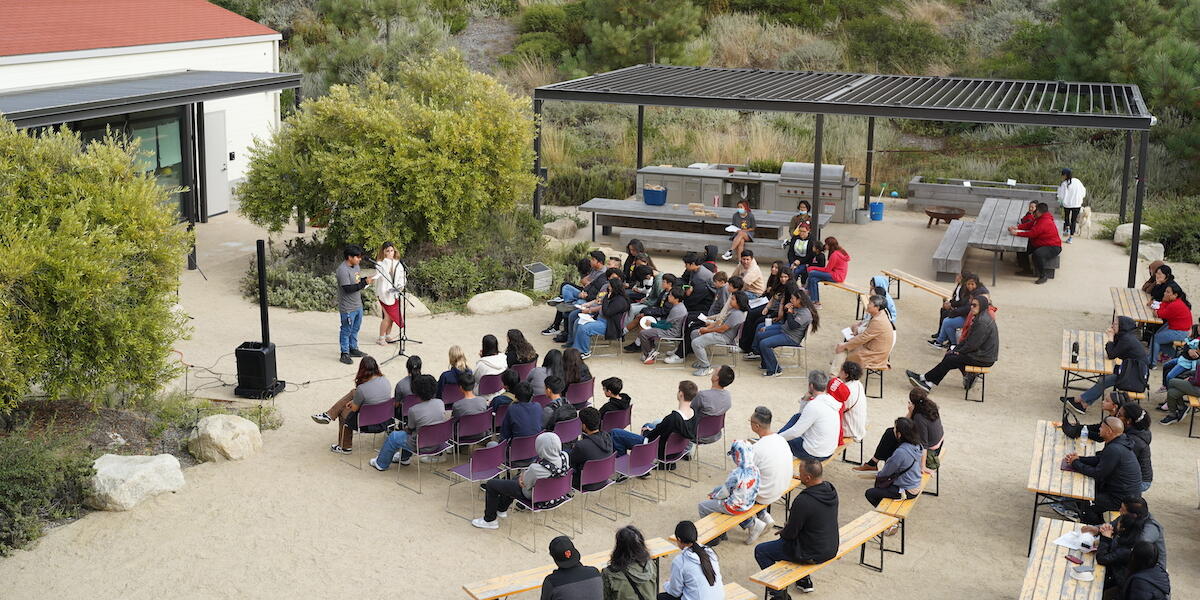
(349,300)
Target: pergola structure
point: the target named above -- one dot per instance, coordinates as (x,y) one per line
(1007,101)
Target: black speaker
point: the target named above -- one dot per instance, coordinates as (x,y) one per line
(256,360)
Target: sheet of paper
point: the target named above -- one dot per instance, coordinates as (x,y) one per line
(1076,540)
(847,334)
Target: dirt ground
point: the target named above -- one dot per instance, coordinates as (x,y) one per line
(296,521)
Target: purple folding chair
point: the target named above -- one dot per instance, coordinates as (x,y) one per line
(472,429)
(596,474)
(616,419)
(710,426)
(431,440)
(568,431)
(490,384)
(541,399)
(499,416)
(485,464)
(546,490)
(637,462)
(450,394)
(524,369)
(373,420)
(580,394)
(407,403)
(521,452)
(676,448)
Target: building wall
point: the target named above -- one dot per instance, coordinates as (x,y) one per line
(247,117)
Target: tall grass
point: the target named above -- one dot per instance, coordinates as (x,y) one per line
(528,72)
(942,16)
(746,41)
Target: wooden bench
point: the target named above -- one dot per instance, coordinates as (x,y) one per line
(862,296)
(868,372)
(683,241)
(900,507)
(855,534)
(715,524)
(948,258)
(937,473)
(734,591)
(531,579)
(1194,407)
(981,372)
(898,276)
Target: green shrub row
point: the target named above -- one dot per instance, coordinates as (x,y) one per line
(43,477)
(575,185)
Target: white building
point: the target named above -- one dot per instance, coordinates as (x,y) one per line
(194,82)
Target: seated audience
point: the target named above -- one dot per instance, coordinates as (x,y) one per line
(959,298)
(752,278)
(838,265)
(1161,276)
(633,250)
(429,411)
(1115,469)
(608,321)
(714,401)
(1176,313)
(519,350)
(524,417)
(500,492)
(773,457)
(648,338)
(370,387)
(630,574)
(803,252)
(491,361)
(723,287)
(645,289)
(1177,390)
(871,345)
(1044,243)
(470,404)
(800,316)
(775,296)
(695,572)
(404,387)
(458,365)
(854,413)
(980,348)
(900,475)
(743,223)
(696,283)
(924,413)
(552,364)
(677,421)
(558,409)
(509,379)
(591,279)
(724,332)
(614,398)
(803,215)
(593,444)
(955,310)
(737,495)
(1185,361)
(570,580)
(814,432)
(1122,343)
(811,534)
(657,310)
(1146,576)
(1134,524)
(574,369)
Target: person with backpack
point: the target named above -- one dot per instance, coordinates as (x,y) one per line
(1123,344)
(500,492)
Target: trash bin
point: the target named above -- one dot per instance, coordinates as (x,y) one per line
(654,196)
(861,216)
(876,211)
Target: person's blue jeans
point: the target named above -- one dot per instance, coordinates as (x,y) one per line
(769,553)
(584,333)
(1096,391)
(1163,342)
(949,326)
(569,293)
(763,333)
(797,445)
(766,349)
(397,441)
(623,440)
(814,279)
(1171,370)
(348,333)
(1145,486)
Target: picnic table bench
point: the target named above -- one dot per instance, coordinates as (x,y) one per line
(948,258)
(713,525)
(682,241)
(901,507)
(898,276)
(531,579)
(855,534)
(1046,480)
(1048,575)
(1092,363)
(1131,302)
(609,213)
(859,309)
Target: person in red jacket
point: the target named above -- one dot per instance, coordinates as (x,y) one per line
(835,269)
(1044,242)
(1176,314)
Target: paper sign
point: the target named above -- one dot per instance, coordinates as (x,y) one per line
(1011,182)
(966,184)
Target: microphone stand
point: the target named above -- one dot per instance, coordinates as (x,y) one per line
(404,302)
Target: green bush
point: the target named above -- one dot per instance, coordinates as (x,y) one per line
(574,186)
(549,18)
(1176,225)
(766,165)
(447,277)
(43,476)
(576,16)
(540,44)
(893,45)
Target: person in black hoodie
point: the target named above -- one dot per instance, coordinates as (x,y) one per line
(1137,427)
(1123,344)
(1148,579)
(980,349)
(803,252)
(1117,539)
(810,535)
(592,445)
(570,580)
(616,400)
(1115,469)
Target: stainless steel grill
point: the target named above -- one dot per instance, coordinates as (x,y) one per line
(839,192)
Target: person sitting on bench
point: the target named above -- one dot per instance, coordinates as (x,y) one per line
(900,476)
(813,433)
(803,252)
(923,412)
(695,573)
(743,223)
(810,536)
(500,492)
(1134,524)
(980,348)
(1176,404)
(1147,575)
(630,574)
(1123,343)
(1044,243)
(838,262)
(871,346)
(740,490)
(1176,313)
(1115,469)
(677,421)
(954,313)
(773,457)
(570,579)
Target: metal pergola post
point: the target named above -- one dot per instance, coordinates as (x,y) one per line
(537,156)
(1135,243)
(1125,173)
(640,125)
(870,161)
(818,134)
(299,211)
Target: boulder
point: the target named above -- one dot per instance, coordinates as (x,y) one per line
(121,482)
(563,229)
(224,437)
(416,308)
(553,243)
(497,301)
(1151,251)
(1124,233)
(612,252)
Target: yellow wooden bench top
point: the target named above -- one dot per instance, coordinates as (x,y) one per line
(1092,358)
(898,507)
(975,369)
(531,579)
(842,286)
(920,284)
(846,441)
(1131,302)
(1045,476)
(714,524)
(734,591)
(1048,574)
(851,535)
(1193,401)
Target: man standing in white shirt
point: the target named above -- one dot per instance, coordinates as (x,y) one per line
(1070,197)
(773,458)
(814,432)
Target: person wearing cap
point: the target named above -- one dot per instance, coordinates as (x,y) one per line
(349,301)
(570,580)
(1070,197)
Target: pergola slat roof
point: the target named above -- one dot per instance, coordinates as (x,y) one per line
(1051,103)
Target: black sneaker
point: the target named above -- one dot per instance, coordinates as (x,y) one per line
(805,585)
(1041,280)
(1172,418)
(938,345)
(631,348)
(356,353)
(560,338)
(322,418)
(713,543)
(346,358)
(340,450)
(551,330)
(1076,406)
(918,381)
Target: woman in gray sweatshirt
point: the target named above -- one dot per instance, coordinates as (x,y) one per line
(904,466)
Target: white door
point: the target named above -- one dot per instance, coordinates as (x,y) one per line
(216,163)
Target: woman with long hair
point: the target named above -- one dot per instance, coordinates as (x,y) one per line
(925,415)
(777,285)
(901,472)
(608,320)
(1176,314)
(695,572)
(491,361)
(574,369)
(388,286)
(800,317)
(633,249)
(458,365)
(837,266)
(519,350)
(370,387)
(1145,576)
(803,252)
(552,364)
(980,347)
(630,574)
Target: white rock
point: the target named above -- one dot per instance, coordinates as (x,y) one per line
(121,482)
(553,243)
(1124,233)
(224,437)
(497,301)
(612,252)
(1151,251)
(416,308)
(563,229)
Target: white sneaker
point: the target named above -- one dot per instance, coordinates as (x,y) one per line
(503,514)
(728,255)
(382,341)
(480,523)
(672,359)
(756,529)
(376,465)
(766,517)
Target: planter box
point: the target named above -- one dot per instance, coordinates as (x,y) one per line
(952,192)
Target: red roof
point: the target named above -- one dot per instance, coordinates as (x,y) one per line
(36,26)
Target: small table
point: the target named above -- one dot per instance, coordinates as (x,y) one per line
(1092,363)
(943,214)
(609,213)
(1048,574)
(1047,481)
(991,229)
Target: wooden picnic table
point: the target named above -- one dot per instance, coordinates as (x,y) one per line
(1048,574)
(1093,363)
(990,231)
(609,213)
(1131,302)
(1047,481)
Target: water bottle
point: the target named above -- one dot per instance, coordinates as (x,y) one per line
(1075,353)
(1083,435)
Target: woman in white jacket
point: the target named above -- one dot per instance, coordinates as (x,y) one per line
(491,362)
(388,285)
(1070,197)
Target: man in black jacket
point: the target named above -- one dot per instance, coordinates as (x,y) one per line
(980,349)
(592,445)
(571,580)
(1115,469)
(1123,344)
(810,535)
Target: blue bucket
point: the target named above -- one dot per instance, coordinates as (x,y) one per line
(876,211)
(654,197)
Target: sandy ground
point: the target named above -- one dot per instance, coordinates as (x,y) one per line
(295,521)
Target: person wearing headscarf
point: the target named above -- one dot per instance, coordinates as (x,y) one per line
(980,347)
(1152,281)
(738,493)
(500,492)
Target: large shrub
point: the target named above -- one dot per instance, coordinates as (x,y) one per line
(43,476)
(425,158)
(893,45)
(543,17)
(90,257)
(573,186)
(622,33)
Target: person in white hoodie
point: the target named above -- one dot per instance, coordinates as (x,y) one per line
(814,432)
(491,362)
(1070,197)
(388,286)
